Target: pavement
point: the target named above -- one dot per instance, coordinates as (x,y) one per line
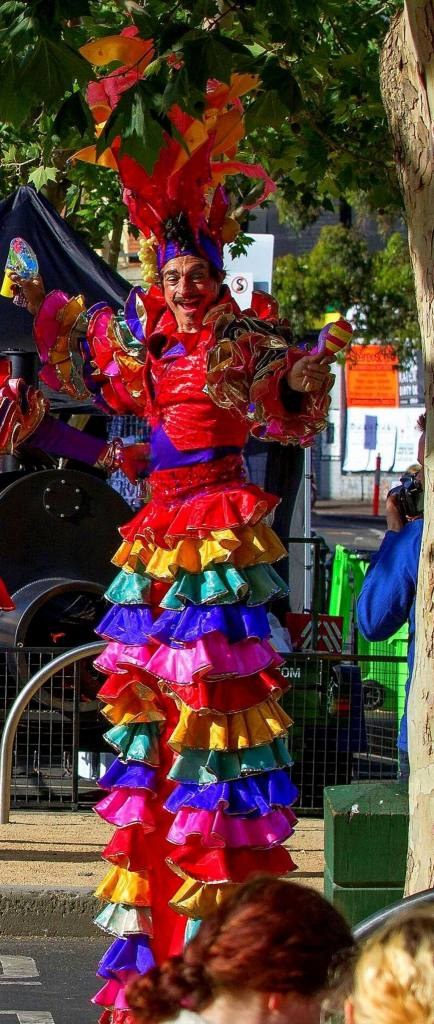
(344,508)
(50,864)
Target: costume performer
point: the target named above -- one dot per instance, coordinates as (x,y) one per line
(200,794)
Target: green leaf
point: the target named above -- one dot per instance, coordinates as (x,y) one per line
(207,57)
(51,70)
(137,124)
(73,117)
(42,175)
(266,110)
(14,101)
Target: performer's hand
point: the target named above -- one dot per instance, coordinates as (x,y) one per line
(309,373)
(135,461)
(32,289)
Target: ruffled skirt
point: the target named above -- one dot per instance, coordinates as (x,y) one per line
(200,793)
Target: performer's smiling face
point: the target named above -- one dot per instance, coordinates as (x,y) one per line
(190,287)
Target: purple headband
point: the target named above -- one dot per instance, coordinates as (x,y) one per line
(206,249)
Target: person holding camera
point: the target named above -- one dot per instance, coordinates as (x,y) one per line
(388,596)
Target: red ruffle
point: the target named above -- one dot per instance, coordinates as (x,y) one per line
(117,1017)
(228,696)
(228,865)
(225,508)
(6,602)
(131,848)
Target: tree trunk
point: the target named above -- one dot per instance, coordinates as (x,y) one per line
(407,78)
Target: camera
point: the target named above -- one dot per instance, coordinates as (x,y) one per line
(409,496)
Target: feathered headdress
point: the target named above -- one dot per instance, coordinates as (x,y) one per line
(181,206)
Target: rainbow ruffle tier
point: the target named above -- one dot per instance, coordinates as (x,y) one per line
(200,794)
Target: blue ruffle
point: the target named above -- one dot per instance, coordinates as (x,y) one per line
(129,624)
(192,928)
(131,954)
(132,775)
(252,796)
(236,622)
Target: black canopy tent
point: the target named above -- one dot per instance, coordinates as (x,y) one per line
(65,262)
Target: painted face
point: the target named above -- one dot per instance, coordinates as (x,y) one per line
(189,290)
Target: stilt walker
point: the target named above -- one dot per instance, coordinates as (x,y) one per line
(200,794)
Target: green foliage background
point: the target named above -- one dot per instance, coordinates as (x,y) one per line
(340,273)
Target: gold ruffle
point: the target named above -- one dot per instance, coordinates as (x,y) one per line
(238,731)
(199,899)
(63,355)
(122,886)
(128,709)
(244,547)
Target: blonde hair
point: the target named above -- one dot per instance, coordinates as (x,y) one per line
(394,974)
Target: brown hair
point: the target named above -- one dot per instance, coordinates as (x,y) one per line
(394,975)
(268,936)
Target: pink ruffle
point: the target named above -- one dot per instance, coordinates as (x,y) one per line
(115,653)
(46,325)
(113,993)
(126,807)
(219,829)
(211,658)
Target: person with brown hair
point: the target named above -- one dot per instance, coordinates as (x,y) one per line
(266,954)
(394,975)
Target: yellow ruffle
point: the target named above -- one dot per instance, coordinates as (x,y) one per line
(244,547)
(129,708)
(198,899)
(122,886)
(239,731)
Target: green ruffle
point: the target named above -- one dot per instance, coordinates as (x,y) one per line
(224,584)
(136,742)
(129,588)
(211,765)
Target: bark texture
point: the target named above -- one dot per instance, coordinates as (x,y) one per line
(407,79)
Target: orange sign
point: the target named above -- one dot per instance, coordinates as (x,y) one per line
(371,376)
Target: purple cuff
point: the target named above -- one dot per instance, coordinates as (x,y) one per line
(58,438)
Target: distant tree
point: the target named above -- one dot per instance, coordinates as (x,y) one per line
(341,273)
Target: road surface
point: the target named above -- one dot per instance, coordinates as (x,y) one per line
(50,981)
(359,534)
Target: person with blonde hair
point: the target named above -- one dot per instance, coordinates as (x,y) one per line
(394,974)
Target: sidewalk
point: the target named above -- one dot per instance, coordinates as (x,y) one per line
(50,864)
(344,507)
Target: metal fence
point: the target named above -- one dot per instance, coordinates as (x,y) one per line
(345,710)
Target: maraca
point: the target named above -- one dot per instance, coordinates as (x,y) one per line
(21,260)
(333,338)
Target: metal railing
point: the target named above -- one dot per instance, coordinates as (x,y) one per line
(366,928)
(345,710)
(19,706)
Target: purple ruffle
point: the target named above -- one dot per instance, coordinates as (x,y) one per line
(236,622)
(132,775)
(133,310)
(131,954)
(129,624)
(254,795)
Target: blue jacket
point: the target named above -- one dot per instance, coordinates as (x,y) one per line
(388,596)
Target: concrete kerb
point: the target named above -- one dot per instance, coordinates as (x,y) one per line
(51,913)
